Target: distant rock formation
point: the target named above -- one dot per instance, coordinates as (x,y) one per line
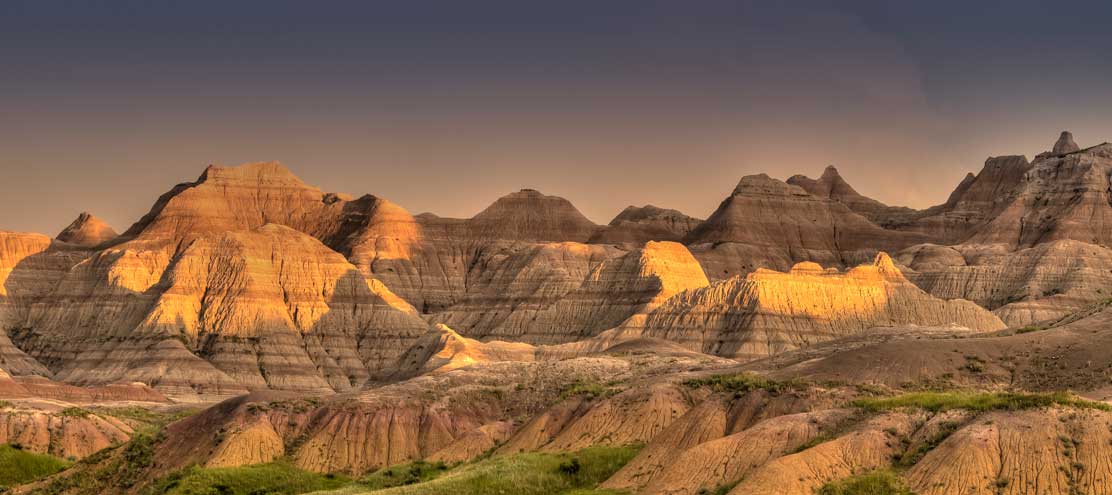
(1065,144)
(767,223)
(831,185)
(87,230)
(769,312)
(528,215)
(635,226)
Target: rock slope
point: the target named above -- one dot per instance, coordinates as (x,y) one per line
(87,230)
(770,312)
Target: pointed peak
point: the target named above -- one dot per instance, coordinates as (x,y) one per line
(87,230)
(830,172)
(883,263)
(1065,144)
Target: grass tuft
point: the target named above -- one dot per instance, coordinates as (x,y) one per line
(19,466)
(882,482)
(276,478)
(977,401)
(744,382)
(534,473)
(404,474)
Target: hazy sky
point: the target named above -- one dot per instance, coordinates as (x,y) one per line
(445,105)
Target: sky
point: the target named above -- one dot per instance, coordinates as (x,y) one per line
(444,106)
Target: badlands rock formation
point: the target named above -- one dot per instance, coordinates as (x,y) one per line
(831,185)
(637,225)
(769,312)
(249,279)
(767,223)
(87,230)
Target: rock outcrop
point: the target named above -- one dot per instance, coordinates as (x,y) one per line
(635,226)
(1065,144)
(529,215)
(769,312)
(767,223)
(831,185)
(87,230)
(616,291)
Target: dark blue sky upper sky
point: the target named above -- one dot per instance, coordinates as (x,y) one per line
(444,105)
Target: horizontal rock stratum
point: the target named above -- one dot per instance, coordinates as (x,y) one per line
(751,352)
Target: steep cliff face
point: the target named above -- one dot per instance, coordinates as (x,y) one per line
(976,200)
(1061,197)
(87,230)
(768,223)
(635,226)
(767,312)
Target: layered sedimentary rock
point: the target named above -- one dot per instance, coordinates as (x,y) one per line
(635,226)
(529,215)
(769,312)
(768,223)
(831,185)
(1023,286)
(615,291)
(270,307)
(87,230)
(1061,197)
(442,349)
(48,428)
(977,200)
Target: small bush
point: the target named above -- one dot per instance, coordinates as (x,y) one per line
(571,467)
(589,390)
(74,412)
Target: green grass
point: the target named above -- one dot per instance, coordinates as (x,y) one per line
(74,412)
(883,482)
(744,382)
(913,456)
(18,466)
(977,401)
(535,473)
(589,390)
(276,478)
(404,474)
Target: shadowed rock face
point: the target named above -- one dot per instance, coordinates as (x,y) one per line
(87,230)
(831,185)
(635,226)
(772,224)
(528,215)
(1065,144)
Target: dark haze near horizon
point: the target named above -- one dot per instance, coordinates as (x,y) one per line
(444,106)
